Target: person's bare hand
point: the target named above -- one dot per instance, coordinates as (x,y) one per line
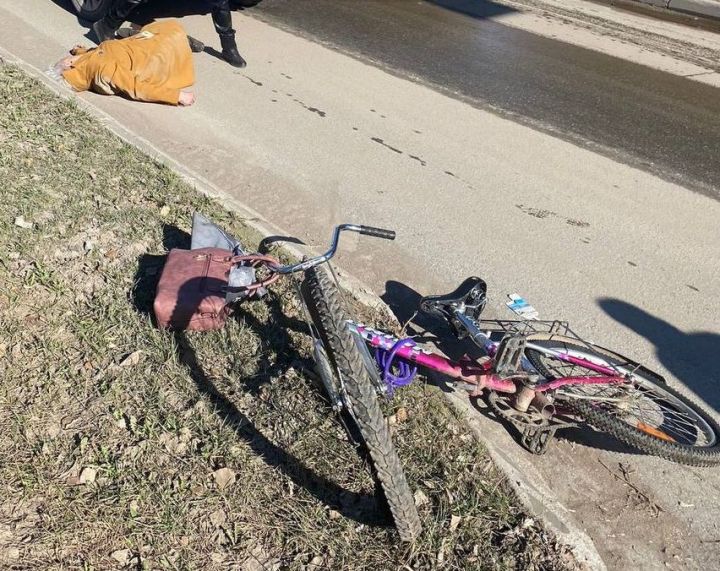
(186,99)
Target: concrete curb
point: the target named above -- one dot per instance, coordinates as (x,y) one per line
(705,8)
(537,499)
(531,489)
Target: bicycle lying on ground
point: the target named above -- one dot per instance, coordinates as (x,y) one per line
(538,375)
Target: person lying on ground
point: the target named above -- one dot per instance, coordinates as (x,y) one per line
(153,65)
(106,28)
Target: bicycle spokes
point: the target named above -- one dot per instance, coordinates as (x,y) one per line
(650,410)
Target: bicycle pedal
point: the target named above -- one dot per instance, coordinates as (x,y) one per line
(509,355)
(537,440)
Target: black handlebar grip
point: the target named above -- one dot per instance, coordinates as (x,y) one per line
(377,232)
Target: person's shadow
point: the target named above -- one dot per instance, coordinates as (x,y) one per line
(692,357)
(362,507)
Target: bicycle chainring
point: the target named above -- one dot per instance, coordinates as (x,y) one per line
(536,431)
(501,405)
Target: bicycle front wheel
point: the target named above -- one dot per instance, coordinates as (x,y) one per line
(643,412)
(362,400)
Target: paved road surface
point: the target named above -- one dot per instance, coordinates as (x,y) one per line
(310,137)
(657,121)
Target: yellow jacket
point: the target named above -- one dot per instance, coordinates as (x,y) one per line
(153,65)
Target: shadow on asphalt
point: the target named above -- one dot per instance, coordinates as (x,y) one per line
(368,509)
(690,357)
(474,8)
(404,303)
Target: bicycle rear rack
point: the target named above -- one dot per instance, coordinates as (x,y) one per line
(527,326)
(500,328)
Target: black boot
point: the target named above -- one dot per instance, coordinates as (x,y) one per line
(230,51)
(105,29)
(223,25)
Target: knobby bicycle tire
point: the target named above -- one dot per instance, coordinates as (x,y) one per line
(605,417)
(331,323)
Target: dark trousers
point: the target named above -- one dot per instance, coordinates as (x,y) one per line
(221,14)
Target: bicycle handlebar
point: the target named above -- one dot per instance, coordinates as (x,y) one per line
(377,232)
(316,261)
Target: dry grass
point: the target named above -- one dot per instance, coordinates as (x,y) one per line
(115,435)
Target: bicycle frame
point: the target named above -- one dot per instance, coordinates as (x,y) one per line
(480,374)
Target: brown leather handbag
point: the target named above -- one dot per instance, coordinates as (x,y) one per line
(192,289)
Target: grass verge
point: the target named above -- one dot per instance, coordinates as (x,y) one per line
(127,447)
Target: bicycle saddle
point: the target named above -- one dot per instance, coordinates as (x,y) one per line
(470,296)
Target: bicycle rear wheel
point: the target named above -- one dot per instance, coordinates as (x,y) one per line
(643,412)
(361,399)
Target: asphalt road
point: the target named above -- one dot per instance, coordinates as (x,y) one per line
(657,121)
(308,137)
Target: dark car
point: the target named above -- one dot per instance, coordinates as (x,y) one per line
(93,10)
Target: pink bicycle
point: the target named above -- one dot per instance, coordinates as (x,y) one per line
(538,375)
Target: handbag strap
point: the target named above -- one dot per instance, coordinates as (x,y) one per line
(257,260)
